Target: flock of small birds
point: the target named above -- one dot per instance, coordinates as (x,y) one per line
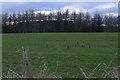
(76,44)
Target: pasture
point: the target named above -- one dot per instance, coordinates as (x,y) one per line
(61,53)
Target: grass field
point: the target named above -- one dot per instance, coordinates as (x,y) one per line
(63,53)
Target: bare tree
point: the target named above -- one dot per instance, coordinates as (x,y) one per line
(4,18)
(32,15)
(66,15)
(14,19)
(87,19)
(50,16)
(96,22)
(39,16)
(59,15)
(79,21)
(26,16)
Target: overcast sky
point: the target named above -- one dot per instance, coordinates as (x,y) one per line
(92,7)
(60,0)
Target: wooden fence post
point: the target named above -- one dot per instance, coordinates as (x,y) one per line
(27,67)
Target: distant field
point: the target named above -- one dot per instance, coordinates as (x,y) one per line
(66,51)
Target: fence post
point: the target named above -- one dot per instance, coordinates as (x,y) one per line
(27,64)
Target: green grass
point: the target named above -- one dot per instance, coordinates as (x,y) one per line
(52,46)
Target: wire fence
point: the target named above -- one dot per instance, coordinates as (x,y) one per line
(58,47)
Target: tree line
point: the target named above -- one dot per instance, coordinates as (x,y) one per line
(31,22)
